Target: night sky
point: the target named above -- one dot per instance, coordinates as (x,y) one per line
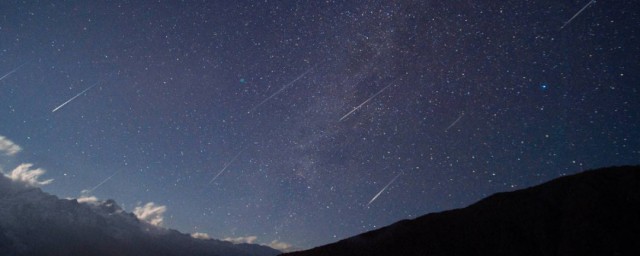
(307,122)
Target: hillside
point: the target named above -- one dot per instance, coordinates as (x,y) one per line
(591,213)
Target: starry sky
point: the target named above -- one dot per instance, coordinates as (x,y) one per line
(307,122)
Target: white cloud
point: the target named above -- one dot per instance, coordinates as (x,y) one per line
(151,213)
(275,244)
(8,147)
(281,246)
(198,235)
(87,200)
(241,240)
(24,174)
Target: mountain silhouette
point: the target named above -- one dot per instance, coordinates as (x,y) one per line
(35,223)
(591,213)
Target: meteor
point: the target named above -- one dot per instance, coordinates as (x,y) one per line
(104,181)
(74,97)
(455,122)
(12,71)
(383,189)
(281,89)
(225,167)
(578,13)
(365,102)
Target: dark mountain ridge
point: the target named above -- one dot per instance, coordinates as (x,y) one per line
(591,213)
(35,223)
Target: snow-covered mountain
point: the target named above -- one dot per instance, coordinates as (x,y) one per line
(33,222)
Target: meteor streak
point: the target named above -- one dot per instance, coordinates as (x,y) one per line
(383,189)
(104,181)
(74,97)
(365,102)
(281,89)
(455,122)
(225,167)
(12,71)
(578,13)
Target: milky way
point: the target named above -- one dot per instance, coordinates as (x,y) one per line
(326,101)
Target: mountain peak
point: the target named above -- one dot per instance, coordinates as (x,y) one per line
(35,223)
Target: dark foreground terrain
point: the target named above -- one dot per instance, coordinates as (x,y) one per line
(592,213)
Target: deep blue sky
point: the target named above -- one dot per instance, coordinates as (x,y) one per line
(482,97)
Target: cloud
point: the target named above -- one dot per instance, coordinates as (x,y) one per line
(275,244)
(281,246)
(198,235)
(241,240)
(151,213)
(8,147)
(88,200)
(24,174)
